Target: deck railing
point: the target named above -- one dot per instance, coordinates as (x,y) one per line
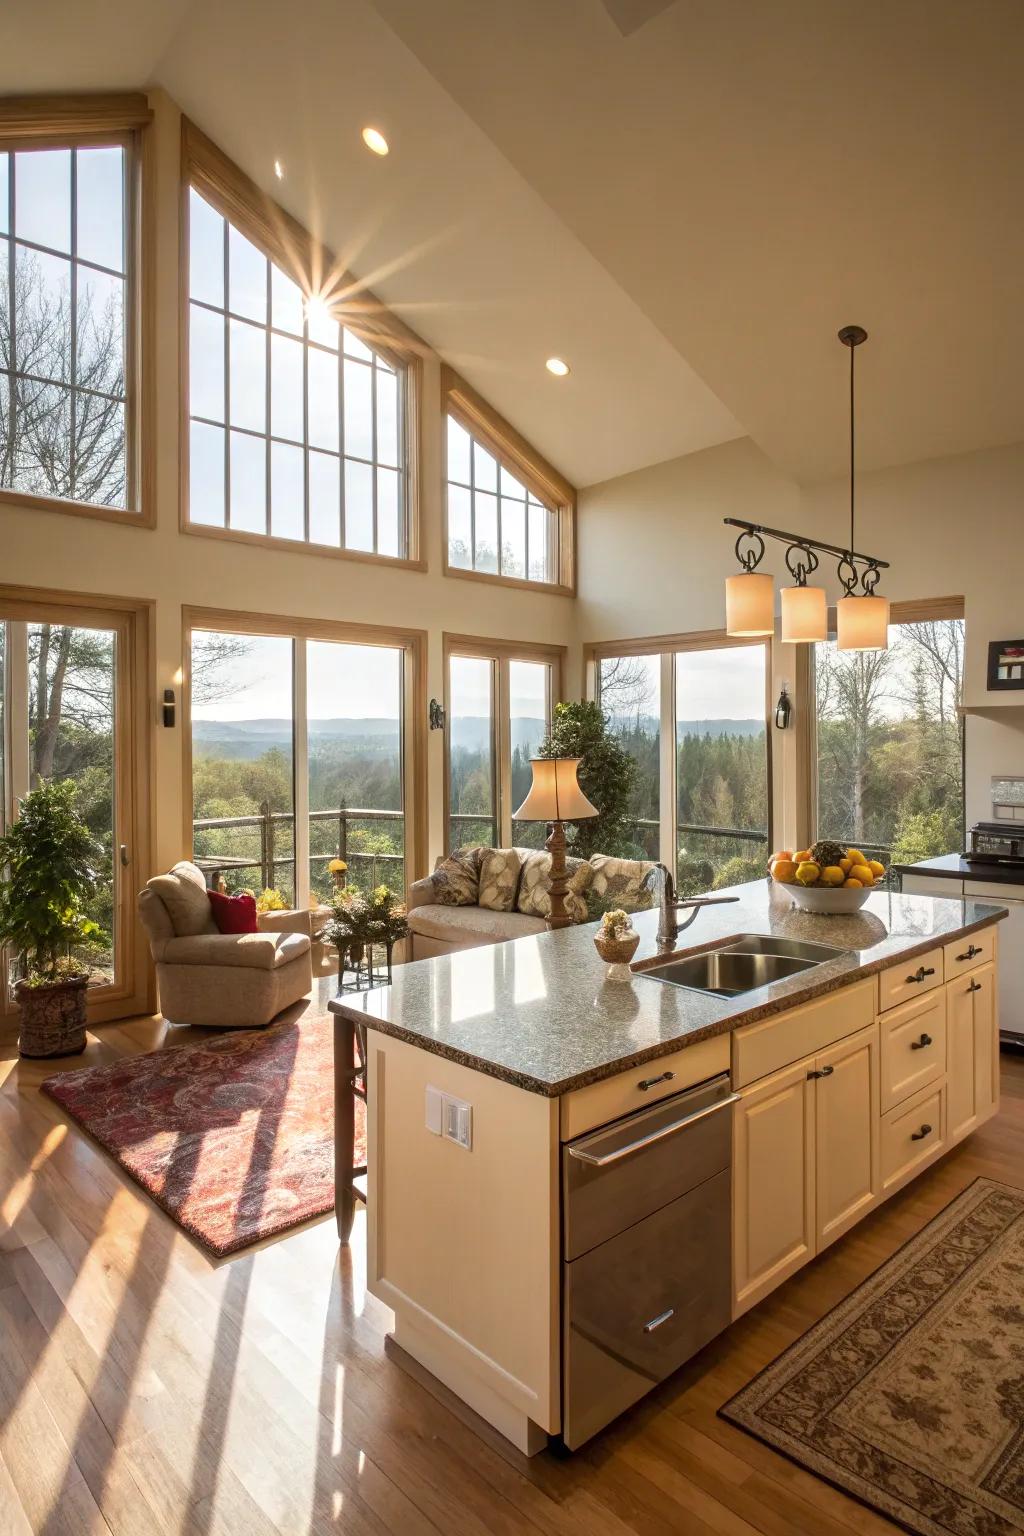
(276,852)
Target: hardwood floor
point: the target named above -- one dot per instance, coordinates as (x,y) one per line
(145,1389)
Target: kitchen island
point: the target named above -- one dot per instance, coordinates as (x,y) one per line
(515,1093)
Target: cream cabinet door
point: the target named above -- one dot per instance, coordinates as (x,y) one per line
(773,1182)
(847,1134)
(972,1087)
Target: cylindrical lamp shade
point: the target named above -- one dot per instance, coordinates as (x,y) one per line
(862,623)
(749,604)
(804,615)
(554,794)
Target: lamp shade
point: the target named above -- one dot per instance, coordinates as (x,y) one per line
(804,615)
(554,794)
(749,604)
(862,623)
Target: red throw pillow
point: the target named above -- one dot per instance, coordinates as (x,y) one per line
(234,914)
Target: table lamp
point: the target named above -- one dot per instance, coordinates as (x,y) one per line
(556,797)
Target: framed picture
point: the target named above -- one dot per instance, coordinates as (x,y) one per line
(1006,664)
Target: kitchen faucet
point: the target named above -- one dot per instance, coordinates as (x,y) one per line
(668,928)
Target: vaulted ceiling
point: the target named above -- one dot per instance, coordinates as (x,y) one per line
(685,198)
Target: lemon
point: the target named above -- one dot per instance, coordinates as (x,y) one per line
(845,865)
(850,884)
(807,873)
(855,856)
(832,875)
(877,868)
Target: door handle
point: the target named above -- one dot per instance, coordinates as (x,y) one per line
(921,972)
(821,1072)
(920,1135)
(972,950)
(919,1045)
(662,1317)
(602,1160)
(649,1082)
(975,986)
(125,860)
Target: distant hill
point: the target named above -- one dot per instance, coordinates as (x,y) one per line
(649,724)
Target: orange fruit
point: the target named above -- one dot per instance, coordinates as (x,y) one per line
(845,865)
(850,884)
(832,875)
(802,857)
(783,870)
(877,868)
(784,853)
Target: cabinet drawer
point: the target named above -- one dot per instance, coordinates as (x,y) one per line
(912,1136)
(966,953)
(909,979)
(585,1108)
(772,1044)
(913,1047)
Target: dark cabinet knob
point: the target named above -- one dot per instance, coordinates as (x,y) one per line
(921,972)
(822,1072)
(970,952)
(920,1135)
(975,986)
(919,1045)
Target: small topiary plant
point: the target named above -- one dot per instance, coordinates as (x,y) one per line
(48,877)
(606,776)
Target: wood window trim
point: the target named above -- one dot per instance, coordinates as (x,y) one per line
(499,653)
(134,619)
(515,454)
(290,246)
(57,122)
(413,642)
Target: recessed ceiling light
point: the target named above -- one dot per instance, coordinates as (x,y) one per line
(279,170)
(375,140)
(556,366)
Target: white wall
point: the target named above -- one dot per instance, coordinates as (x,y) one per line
(654,555)
(55,550)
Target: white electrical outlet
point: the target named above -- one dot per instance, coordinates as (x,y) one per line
(449,1117)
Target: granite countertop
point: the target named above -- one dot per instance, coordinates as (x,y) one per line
(540,1013)
(953,866)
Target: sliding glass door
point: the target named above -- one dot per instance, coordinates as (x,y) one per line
(693,718)
(68,705)
(499,702)
(299,757)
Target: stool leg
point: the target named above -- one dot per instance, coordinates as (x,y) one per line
(344,1124)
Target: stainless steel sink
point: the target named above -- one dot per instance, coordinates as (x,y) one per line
(750,961)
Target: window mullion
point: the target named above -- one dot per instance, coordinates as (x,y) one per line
(503,713)
(227,387)
(300,772)
(73,360)
(267,423)
(668,836)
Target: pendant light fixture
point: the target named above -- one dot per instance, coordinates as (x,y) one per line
(862,619)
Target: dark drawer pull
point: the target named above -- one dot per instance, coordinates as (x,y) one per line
(919,1045)
(662,1317)
(972,950)
(975,986)
(921,972)
(920,1135)
(649,1082)
(823,1072)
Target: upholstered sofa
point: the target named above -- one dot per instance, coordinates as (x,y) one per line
(487,895)
(223,980)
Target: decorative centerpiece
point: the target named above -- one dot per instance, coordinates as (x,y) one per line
(616,941)
(271,900)
(49,879)
(359,922)
(827,877)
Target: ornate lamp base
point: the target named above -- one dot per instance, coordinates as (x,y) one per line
(555,845)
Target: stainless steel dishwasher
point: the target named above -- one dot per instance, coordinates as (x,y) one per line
(647,1251)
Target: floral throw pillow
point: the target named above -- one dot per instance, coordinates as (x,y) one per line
(456,880)
(499,879)
(626,883)
(535,887)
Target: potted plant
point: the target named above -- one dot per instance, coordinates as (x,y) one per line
(48,877)
(361,919)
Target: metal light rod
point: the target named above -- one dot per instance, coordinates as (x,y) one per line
(800,541)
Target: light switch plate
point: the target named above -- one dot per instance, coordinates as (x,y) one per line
(449,1117)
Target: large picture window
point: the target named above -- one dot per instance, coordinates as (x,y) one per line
(69,312)
(890,739)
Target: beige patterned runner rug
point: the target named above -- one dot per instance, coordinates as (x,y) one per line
(910,1394)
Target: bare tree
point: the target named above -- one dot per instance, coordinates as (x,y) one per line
(213,659)
(851,686)
(625,686)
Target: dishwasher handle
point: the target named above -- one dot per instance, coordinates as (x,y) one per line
(603,1160)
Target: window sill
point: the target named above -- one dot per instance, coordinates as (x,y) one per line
(552,589)
(303,547)
(33,503)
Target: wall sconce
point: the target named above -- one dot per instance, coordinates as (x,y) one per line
(783,710)
(436,715)
(168,710)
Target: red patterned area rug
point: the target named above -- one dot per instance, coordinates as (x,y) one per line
(910,1393)
(232,1137)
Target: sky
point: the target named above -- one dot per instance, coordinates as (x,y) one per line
(356,682)
(727,684)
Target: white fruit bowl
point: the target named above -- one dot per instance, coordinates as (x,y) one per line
(827,898)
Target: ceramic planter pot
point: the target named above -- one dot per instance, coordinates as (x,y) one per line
(52,1018)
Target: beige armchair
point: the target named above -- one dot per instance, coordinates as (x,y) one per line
(223,980)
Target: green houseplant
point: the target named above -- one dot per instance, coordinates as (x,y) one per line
(47,859)
(606,776)
(361,919)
